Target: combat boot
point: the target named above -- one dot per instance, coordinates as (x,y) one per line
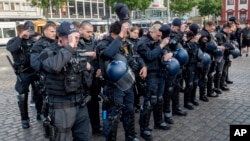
(168,118)
(23,107)
(146,132)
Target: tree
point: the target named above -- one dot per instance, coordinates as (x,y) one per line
(45,4)
(132,4)
(182,6)
(210,7)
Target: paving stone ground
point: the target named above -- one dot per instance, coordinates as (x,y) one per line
(207,122)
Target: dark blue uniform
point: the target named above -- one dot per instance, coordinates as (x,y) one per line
(151,53)
(20,51)
(120,103)
(67,89)
(35,63)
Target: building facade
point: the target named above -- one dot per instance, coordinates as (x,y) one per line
(238,8)
(18,10)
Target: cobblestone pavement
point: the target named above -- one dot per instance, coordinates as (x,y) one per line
(208,122)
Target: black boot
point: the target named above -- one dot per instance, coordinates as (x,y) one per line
(194,101)
(146,132)
(128,120)
(223,84)
(187,98)
(168,118)
(23,107)
(217,78)
(203,96)
(176,108)
(158,118)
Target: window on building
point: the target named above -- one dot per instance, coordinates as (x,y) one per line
(72,8)
(101,9)
(9,32)
(1,36)
(80,8)
(22,6)
(243,17)
(6,6)
(107,11)
(12,6)
(243,1)
(87,9)
(1,6)
(17,6)
(230,2)
(94,10)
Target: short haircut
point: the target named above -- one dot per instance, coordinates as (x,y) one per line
(84,24)
(227,25)
(134,28)
(47,25)
(76,24)
(20,27)
(210,23)
(115,27)
(155,27)
(158,22)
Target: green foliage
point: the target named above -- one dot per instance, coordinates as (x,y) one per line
(46,3)
(132,4)
(182,6)
(210,7)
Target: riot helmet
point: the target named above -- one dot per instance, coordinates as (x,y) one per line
(120,74)
(235,53)
(172,66)
(181,55)
(205,59)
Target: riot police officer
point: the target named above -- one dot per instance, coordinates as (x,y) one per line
(88,43)
(207,44)
(120,96)
(116,63)
(66,70)
(151,50)
(19,47)
(191,78)
(172,88)
(48,38)
(139,83)
(222,38)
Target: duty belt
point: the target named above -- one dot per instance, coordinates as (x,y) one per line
(83,102)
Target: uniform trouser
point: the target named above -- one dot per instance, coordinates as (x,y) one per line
(191,81)
(120,106)
(93,106)
(138,91)
(203,80)
(37,97)
(153,99)
(71,123)
(225,72)
(22,87)
(176,94)
(210,77)
(168,93)
(218,74)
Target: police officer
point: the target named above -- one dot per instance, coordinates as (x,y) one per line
(151,50)
(173,86)
(191,78)
(66,70)
(207,44)
(48,38)
(19,47)
(139,83)
(119,92)
(88,43)
(223,37)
